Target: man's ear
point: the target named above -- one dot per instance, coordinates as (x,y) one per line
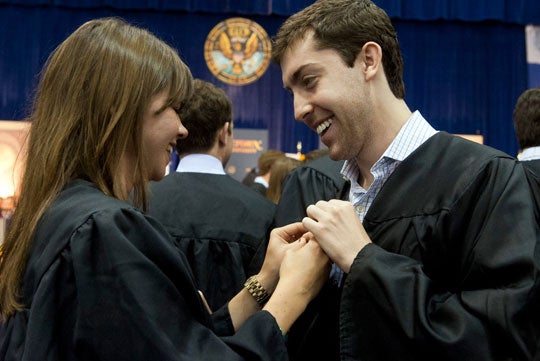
(224,133)
(370,59)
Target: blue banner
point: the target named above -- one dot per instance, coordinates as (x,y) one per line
(532,33)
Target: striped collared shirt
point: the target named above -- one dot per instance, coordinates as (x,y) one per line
(413,134)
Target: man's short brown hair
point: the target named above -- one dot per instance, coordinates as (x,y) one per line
(527,118)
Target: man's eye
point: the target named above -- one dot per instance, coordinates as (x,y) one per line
(308,81)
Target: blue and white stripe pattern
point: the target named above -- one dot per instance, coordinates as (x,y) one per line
(413,134)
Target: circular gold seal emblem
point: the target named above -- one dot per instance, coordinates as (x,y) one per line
(237,51)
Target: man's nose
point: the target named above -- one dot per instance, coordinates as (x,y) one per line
(302,108)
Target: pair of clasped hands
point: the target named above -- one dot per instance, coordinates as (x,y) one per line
(300,253)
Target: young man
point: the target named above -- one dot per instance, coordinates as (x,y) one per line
(217,221)
(436,252)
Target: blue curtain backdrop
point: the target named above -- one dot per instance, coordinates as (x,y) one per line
(465,62)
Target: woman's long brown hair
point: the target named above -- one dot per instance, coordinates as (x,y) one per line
(86,114)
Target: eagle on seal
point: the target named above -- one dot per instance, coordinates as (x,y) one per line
(238,51)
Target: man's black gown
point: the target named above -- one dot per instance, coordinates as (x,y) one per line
(454,269)
(105,282)
(219,224)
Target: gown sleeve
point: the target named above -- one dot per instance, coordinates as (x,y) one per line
(480,301)
(137,299)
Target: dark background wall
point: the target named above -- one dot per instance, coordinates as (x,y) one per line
(465,61)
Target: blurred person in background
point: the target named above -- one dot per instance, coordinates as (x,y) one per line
(264,169)
(527,127)
(215,220)
(280,169)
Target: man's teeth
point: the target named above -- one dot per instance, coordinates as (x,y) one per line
(322,127)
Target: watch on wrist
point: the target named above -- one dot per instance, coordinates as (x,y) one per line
(258,292)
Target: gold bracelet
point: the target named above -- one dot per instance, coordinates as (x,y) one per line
(258,292)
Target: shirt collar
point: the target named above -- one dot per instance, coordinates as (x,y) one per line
(531,153)
(261,180)
(413,134)
(200,163)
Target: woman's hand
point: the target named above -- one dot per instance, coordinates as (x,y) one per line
(311,258)
(305,267)
(303,272)
(279,243)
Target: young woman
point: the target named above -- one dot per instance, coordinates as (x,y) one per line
(87,276)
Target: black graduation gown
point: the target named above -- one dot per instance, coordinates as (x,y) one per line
(533,173)
(453,271)
(218,223)
(318,180)
(315,335)
(259,188)
(533,166)
(105,282)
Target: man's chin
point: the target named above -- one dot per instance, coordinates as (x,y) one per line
(334,154)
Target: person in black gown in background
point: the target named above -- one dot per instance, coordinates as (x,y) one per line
(215,220)
(527,127)
(264,170)
(319,179)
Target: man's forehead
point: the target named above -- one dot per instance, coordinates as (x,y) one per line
(292,59)
(303,41)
